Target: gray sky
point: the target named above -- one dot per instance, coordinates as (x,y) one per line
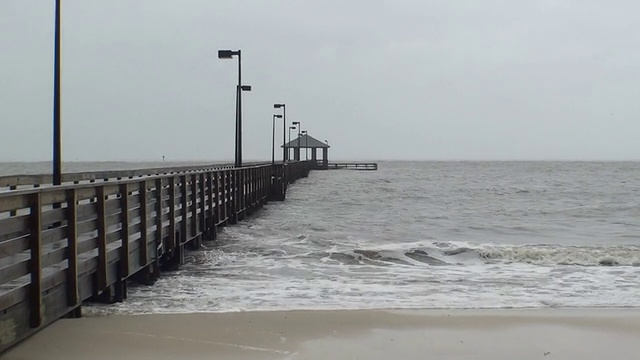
(402,79)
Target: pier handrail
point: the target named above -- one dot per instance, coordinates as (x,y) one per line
(24,180)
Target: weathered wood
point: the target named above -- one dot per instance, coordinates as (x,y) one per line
(184,232)
(159,211)
(172,213)
(144,258)
(194,206)
(102,241)
(226,200)
(216,198)
(15,270)
(14,246)
(73,296)
(125,219)
(14,227)
(203,228)
(211,218)
(35,288)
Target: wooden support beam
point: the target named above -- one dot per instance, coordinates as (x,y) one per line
(35,263)
(184,226)
(102,241)
(73,296)
(125,220)
(204,228)
(172,213)
(194,205)
(144,228)
(159,211)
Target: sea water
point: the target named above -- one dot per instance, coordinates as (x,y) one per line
(422,235)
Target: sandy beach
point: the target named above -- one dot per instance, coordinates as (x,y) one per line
(359,334)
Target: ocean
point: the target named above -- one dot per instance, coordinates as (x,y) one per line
(421,235)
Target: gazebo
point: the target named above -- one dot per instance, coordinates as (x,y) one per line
(308,142)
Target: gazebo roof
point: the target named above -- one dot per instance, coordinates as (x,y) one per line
(306,142)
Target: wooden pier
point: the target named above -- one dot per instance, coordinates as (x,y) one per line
(351,166)
(85,239)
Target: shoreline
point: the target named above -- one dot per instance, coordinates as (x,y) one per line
(560,333)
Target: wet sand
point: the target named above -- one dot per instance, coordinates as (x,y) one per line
(349,334)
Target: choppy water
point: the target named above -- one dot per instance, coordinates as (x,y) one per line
(423,235)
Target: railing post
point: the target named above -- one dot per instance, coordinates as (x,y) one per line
(172,213)
(211,219)
(102,241)
(216,197)
(184,230)
(194,206)
(144,259)
(125,219)
(35,264)
(73,296)
(159,211)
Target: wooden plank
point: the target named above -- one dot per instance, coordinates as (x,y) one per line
(73,296)
(53,216)
(53,256)
(15,270)
(102,241)
(124,218)
(54,234)
(85,227)
(35,287)
(87,245)
(14,246)
(53,196)
(12,201)
(14,227)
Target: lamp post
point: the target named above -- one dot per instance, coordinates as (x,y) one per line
(57,133)
(299,125)
(284,129)
(273,139)
(306,142)
(289,152)
(228,54)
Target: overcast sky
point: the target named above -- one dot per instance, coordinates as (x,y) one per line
(401,79)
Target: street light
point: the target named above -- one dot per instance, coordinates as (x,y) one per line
(228,54)
(289,152)
(306,142)
(57,133)
(284,129)
(299,126)
(273,139)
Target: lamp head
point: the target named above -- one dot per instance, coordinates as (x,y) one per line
(278,106)
(245,87)
(227,54)
(278,116)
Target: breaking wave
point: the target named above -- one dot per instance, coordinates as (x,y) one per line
(451,254)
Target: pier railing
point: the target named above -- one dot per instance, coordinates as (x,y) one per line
(62,245)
